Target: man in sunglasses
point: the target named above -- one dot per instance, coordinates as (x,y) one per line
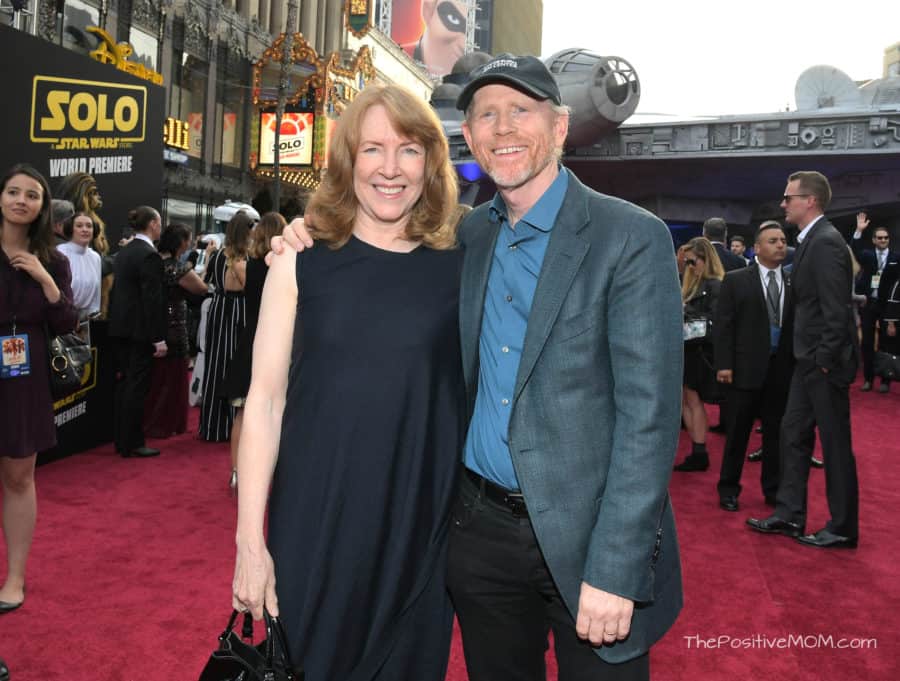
(880,269)
(826,356)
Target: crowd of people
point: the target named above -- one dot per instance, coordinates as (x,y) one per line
(51,282)
(434,423)
(779,338)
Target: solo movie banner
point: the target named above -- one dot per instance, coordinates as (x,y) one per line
(296,140)
(67,113)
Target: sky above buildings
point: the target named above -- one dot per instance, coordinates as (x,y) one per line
(707,57)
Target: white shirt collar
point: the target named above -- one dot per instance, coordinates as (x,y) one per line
(802,235)
(764,272)
(144,237)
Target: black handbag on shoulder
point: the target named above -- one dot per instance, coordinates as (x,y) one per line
(238,659)
(887,366)
(69,356)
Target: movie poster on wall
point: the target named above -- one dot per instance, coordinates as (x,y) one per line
(296,141)
(433,32)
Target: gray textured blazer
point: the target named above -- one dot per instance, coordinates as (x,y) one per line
(597,403)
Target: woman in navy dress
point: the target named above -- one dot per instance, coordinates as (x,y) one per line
(35,294)
(360,432)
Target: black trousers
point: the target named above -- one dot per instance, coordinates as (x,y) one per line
(769,401)
(816,400)
(135,367)
(868,322)
(507,603)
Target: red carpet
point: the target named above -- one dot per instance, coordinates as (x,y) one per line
(130,574)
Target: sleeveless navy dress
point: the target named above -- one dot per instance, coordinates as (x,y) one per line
(370,446)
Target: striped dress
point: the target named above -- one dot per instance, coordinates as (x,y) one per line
(224,327)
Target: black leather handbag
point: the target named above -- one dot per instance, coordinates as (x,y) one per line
(238,659)
(69,356)
(887,366)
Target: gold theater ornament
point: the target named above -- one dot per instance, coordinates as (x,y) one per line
(109,52)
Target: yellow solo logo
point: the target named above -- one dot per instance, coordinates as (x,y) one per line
(84,114)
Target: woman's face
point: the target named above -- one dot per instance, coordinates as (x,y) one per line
(388,172)
(185,245)
(21,200)
(696,263)
(82,230)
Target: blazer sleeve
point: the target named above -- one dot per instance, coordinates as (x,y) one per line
(831,271)
(858,247)
(888,278)
(724,331)
(153,296)
(644,335)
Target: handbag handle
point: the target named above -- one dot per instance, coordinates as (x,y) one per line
(274,629)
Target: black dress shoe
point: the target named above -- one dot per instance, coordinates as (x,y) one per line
(816,463)
(755,455)
(694,462)
(826,539)
(4,671)
(141,453)
(728,503)
(775,525)
(866,386)
(758,429)
(884,387)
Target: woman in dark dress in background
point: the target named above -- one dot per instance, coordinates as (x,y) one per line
(237,382)
(35,295)
(360,431)
(167,405)
(703,274)
(226,271)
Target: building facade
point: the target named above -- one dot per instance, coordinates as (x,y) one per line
(215,59)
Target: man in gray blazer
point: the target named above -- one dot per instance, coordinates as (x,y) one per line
(571,351)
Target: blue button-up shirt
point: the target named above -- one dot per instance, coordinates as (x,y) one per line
(515,268)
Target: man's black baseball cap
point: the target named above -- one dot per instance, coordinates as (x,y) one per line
(527,74)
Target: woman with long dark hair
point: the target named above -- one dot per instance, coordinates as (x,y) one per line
(35,296)
(227,272)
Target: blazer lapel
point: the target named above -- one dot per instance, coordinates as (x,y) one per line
(802,248)
(473,288)
(564,255)
(759,296)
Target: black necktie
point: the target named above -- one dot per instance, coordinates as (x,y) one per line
(772,296)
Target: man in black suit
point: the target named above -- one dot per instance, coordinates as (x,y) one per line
(137,320)
(715,230)
(753,357)
(825,352)
(880,268)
